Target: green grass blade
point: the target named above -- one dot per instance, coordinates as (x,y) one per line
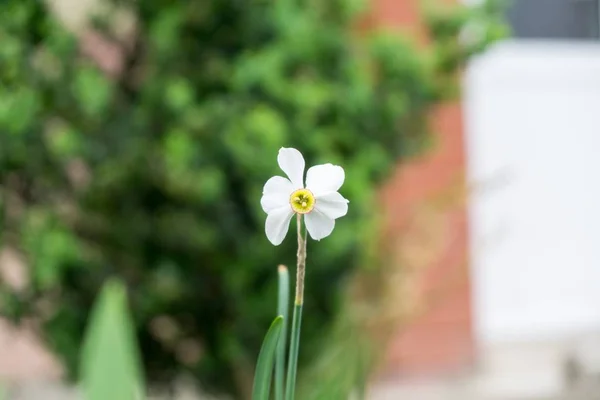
(110,362)
(290,390)
(264,366)
(283,301)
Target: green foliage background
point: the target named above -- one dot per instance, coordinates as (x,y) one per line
(155,174)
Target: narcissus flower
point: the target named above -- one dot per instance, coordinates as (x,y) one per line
(318,201)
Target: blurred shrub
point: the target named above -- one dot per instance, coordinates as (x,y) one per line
(152,170)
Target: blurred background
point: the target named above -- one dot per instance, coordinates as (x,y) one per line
(136,136)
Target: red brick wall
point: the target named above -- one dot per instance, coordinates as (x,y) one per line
(424,199)
(437,338)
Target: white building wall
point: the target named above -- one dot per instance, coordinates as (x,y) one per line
(533,141)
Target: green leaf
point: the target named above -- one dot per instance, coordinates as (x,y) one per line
(63,141)
(52,247)
(18,110)
(179,94)
(110,363)
(283,300)
(266,358)
(92,90)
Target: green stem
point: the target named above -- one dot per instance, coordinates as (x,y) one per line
(297,317)
(283,300)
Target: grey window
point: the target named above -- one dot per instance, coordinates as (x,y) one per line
(555,19)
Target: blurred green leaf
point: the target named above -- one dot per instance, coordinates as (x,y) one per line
(63,140)
(110,363)
(18,109)
(264,366)
(178,150)
(92,90)
(179,94)
(165,29)
(51,248)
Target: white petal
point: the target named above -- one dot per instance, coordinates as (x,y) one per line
(278,223)
(333,205)
(292,163)
(276,193)
(324,178)
(318,225)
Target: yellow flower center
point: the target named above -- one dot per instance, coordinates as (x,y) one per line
(302,201)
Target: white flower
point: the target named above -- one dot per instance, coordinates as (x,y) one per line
(319,201)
